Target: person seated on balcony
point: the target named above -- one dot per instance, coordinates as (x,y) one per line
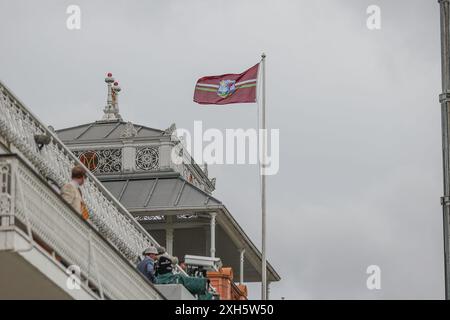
(72,194)
(147,265)
(165,267)
(182,265)
(165,262)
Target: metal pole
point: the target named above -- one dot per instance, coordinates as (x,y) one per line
(444,99)
(263,182)
(212,249)
(241,266)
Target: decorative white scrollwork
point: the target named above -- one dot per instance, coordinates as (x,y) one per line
(101,161)
(147,158)
(151,218)
(187,216)
(5,190)
(5,205)
(109,218)
(54,161)
(56,224)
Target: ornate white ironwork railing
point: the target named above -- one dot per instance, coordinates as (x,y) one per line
(54,161)
(28,205)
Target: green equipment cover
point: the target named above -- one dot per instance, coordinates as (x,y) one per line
(194,285)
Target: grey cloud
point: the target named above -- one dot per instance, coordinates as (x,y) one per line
(358,113)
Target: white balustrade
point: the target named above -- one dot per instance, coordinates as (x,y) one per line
(25,197)
(54,161)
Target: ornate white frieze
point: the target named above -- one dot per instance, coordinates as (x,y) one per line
(147,158)
(102,160)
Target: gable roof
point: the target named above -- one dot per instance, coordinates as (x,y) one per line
(104,130)
(161,193)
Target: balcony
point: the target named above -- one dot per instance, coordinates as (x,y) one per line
(42,239)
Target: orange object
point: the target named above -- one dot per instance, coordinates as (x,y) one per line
(84,211)
(223,282)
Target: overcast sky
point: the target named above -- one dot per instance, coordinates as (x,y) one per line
(358,112)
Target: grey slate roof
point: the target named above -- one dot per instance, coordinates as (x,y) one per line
(103,130)
(151,193)
(175,193)
(163,192)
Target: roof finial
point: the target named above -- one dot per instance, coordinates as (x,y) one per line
(112,106)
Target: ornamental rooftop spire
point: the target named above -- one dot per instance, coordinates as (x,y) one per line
(111,109)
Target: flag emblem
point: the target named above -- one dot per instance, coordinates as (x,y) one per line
(226,88)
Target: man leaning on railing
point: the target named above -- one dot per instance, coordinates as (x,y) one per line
(147,265)
(72,194)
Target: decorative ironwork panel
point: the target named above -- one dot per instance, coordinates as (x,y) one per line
(54,161)
(151,218)
(5,190)
(147,158)
(187,216)
(101,161)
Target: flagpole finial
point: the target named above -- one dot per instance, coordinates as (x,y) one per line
(111,109)
(263,55)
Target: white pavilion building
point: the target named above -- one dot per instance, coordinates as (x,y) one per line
(174,203)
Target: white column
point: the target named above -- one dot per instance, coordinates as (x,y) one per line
(128,157)
(169,241)
(241,266)
(213,235)
(169,235)
(165,156)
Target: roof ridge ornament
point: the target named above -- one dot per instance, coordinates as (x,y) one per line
(111,109)
(129,131)
(170,130)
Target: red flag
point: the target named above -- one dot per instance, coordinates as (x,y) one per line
(227,88)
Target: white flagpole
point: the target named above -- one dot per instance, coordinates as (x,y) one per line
(263,181)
